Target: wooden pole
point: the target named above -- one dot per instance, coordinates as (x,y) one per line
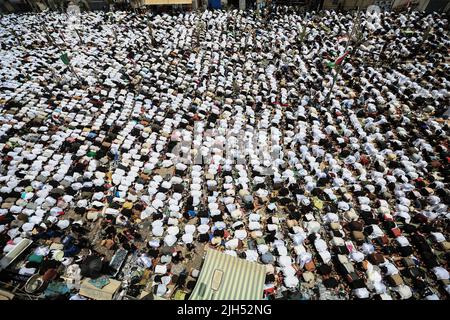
(73,71)
(426,35)
(79,36)
(338,69)
(54,44)
(48,34)
(76,30)
(32,5)
(150,31)
(17,37)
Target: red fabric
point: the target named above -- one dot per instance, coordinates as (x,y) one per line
(49,275)
(396,232)
(364,160)
(384,240)
(269,291)
(340,59)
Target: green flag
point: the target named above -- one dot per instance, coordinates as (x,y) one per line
(65,58)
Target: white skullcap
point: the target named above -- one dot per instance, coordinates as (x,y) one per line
(170,240)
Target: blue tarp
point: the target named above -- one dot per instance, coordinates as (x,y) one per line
(55,289)
(214,4)
(192,213)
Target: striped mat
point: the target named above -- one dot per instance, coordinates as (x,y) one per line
(224,277)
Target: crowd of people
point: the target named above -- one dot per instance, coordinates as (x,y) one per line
(312,143)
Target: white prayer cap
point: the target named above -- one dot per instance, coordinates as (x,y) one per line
(240,234)
(157,230)
(157,204)
(220,225)
(154,243)
(166,184)
(177,196)
(187,238)
(173,230)
(189,228)
(160,269)
(232,244)
(291,281)
(170,240)
(202,229)
(27,226)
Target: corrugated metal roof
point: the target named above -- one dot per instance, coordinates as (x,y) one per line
(241,279)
